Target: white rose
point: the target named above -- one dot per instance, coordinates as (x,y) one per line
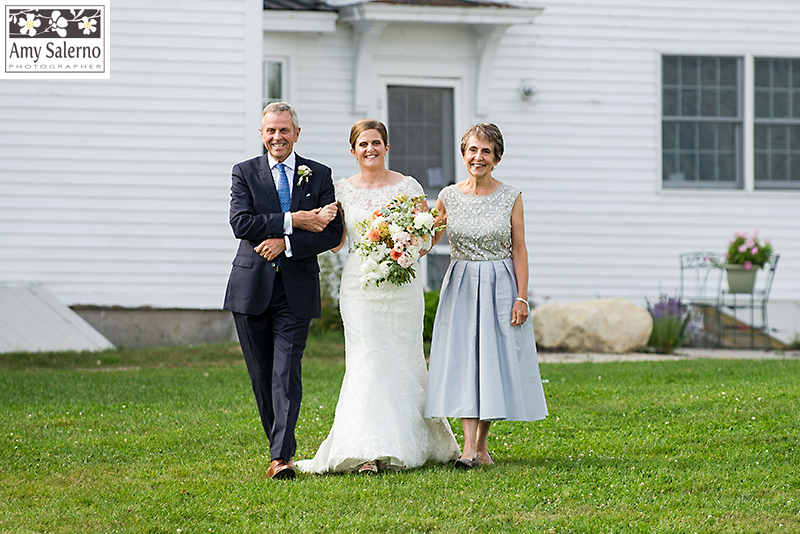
(383,269)
(423,220)
(368,265)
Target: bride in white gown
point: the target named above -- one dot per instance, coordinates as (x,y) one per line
(379,422)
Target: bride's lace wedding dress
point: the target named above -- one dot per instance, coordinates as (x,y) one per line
(379,416)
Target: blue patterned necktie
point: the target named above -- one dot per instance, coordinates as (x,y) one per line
(283,189)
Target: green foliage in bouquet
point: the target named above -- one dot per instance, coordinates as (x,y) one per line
(330,275)
(393,239)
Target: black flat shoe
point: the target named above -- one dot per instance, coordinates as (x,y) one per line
(465,463)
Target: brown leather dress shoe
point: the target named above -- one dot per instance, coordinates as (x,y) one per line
(280,470)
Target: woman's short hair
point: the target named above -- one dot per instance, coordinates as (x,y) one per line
(278,108)
(485,131)
(365,125)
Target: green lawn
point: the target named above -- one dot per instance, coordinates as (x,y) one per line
(168,440)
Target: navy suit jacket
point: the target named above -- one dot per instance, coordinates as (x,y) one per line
(256,215)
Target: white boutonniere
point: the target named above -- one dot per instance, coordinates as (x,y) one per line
(303,174)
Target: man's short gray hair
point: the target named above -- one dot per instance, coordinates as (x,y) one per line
(280,107)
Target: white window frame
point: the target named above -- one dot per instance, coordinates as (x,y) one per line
(753,57)
(748,116)
(459,122)
(284,63)
(747,135)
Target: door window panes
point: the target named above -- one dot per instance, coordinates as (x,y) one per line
(421,139)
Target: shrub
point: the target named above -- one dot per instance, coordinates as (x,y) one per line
(670,324)
(330,276)
(431,303)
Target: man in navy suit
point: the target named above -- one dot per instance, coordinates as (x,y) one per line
(284,213)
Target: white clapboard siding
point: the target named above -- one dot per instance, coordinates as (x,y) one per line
(585,150)
(115,192)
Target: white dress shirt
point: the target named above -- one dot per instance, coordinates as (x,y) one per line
(290,162)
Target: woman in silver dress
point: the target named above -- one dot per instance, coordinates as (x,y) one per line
(483,365)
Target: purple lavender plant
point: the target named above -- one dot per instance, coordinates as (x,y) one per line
(671,324)
(668,306)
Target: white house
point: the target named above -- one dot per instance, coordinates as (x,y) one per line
(623,163)
(636,131)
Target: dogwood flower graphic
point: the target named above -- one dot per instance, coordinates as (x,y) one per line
(87,25)
(28,27)
(58,23)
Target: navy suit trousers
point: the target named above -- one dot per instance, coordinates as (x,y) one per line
(273,344)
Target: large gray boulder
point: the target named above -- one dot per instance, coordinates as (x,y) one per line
(612,325)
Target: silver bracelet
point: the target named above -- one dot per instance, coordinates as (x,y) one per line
(522,300)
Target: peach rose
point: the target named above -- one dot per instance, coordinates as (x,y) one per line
(395,254)
(374,235)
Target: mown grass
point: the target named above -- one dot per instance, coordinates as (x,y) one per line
(173,441)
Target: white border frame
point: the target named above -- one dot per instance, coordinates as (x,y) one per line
(253,77)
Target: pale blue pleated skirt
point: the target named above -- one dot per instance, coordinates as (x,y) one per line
(480,365)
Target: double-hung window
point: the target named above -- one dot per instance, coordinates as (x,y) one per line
(777,124)
(702,122)
(273,83)
(273,86)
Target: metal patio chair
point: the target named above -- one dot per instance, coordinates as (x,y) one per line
(701,278)
(755,301)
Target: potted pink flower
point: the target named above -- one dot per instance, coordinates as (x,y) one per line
(746,254)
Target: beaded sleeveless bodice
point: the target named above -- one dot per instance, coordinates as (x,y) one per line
(479,227)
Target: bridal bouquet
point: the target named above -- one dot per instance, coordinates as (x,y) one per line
(392,239)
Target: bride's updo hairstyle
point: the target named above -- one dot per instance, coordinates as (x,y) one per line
(485,131)
(368,124)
